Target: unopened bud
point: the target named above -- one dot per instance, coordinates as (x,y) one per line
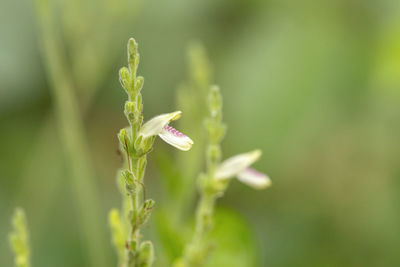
(146,254)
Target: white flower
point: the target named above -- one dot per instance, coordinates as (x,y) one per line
(254,178)
(156,124)
(159,126)
(238,166)
(175,138)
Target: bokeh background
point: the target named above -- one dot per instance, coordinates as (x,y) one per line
(315,84)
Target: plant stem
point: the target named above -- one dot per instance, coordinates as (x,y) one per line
(210,189)
(137,253)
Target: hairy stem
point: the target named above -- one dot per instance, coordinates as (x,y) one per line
(137,253)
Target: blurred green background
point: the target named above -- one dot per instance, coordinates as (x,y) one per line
(315,84)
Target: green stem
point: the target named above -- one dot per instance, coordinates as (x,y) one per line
(136,204)
(210,189)
(73,139)
(204,215)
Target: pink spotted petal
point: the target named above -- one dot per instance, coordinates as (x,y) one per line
(176,138)
(156,124)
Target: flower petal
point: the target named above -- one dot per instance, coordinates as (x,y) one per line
(254,178)
(156,124)
(236,164)
(176,138)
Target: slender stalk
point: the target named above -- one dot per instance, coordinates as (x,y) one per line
(193,99)
(197,250)
(72,135)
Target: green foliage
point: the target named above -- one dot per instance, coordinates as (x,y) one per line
(233,241)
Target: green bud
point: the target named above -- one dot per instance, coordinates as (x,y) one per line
(139,83)
(145,212)
(220,132)
(146,254)
(130,106)
(124,79)
(129,181)
(130,111)
(133,56)
(149,204)
(216,132)
(214,153)
(125,140)
(214,100)
(132,46)
(148,144)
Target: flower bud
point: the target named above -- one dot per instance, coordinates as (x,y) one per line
(129,181)
(124,79)
(146,254)
(145,212)
(130,111)
(139,81)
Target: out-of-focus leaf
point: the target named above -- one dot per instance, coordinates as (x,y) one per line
(234,242)
(387,67)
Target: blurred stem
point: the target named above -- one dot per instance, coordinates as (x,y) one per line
(19,239)
(72,136)
(193,98)
(205,210)
(196,252)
